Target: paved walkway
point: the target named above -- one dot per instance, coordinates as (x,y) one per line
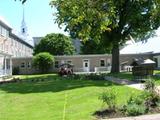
(119,81)
(142,117)
(129,83)
(139,86)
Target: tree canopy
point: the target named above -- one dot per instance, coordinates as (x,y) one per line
(111,21)
(55,44)
(93,47)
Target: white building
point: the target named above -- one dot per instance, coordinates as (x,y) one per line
(11,45)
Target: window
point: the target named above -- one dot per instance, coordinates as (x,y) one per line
(69,62)
(29,64)
(4,31)
(22,65)
(102,63)
(56,65)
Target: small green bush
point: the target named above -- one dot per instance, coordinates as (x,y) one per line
(135,105)
(95,76)
(153,100)
(109,97)
(43,61)
(135,109)
(76,77)
(137,99)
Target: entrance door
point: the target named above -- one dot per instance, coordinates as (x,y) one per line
(86,65)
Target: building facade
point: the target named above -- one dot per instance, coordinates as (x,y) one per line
(11,46)
(81,63)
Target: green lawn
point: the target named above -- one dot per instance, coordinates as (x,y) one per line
(123,75)
(156,78)
(55,98)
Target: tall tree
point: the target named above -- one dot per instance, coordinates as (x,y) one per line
(109,20)
(55,44)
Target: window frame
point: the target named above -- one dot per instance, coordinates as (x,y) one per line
(102,64)
(23,66)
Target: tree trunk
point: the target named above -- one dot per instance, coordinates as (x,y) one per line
(115,59)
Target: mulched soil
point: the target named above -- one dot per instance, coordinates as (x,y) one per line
(118,113)
(108,114)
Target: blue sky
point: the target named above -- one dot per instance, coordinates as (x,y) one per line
(38,16)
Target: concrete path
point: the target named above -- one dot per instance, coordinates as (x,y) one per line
(129,83)
(119,81)
(139,86)
(142,117)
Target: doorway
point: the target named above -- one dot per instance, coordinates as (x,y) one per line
(86,65)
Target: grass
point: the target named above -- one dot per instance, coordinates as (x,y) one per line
(123,75)
(55,98)
(157,78)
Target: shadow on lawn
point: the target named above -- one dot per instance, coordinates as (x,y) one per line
(51,83)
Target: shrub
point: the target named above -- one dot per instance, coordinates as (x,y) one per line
(135,109)
(95,76)
(150,85)
(109,97)
(43,61)
(15,71)
(134,100)
(153,98)
(135,105)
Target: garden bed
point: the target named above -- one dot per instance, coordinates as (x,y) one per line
(102,114)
